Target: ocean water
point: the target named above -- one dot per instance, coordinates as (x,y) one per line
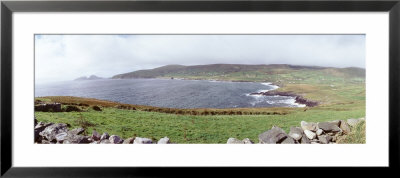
(170,93)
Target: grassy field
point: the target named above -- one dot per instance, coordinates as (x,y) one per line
(340,92)
(189,128)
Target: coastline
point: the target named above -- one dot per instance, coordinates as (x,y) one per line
(298,99)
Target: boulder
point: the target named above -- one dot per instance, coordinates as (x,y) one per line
(234,141)
(305,140)
(61,137)
(319,132)
(336,122)
(288,140)
(273,136)
(345,127)
(164,140)
(328,127)
(42,125)
(76,131)
(139,140)
(96,136)
(310,135)
(115,139)
(353,122)
(324,139)
(334,138)
(50,132)
(105,141)
(35,122)
(308,126)
(74,139)
(46,142)
(104,136)
(39,128)
(247,141)
(296,133)
(128,141)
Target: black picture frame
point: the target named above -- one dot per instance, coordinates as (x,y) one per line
(8,7)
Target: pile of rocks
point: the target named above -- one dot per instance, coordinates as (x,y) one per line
(307,133)
(50,133)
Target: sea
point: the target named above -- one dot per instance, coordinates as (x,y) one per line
(170,93)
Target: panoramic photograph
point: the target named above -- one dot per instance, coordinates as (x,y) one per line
(200,89)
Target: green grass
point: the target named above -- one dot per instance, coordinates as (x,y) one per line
(188,128)
(356,136)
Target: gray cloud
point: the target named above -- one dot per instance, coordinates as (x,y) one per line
(65,57)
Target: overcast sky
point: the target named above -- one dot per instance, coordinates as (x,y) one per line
(66,57)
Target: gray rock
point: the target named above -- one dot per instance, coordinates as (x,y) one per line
(46,142)
(76,131)
(234,141)
(353,122)
(288,140)
(328,127)
(139,140)
(336,122)
(77,139)
(334,138)
(42,125)
(319,132)
(105,141)
(115,139)
(324,139)
(273,136)
(96,136)
(164,140)
(128,141)
(305,140)
(50,132)
(296,133)
(104,136)
(90,139)
(310,135)
(308,126)
(345,127)
(61,137)
(247,141)
(39,128)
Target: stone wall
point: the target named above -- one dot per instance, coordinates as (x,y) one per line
(50,133)
(307,133)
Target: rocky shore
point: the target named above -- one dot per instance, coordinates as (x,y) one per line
(299,99)
(307,133)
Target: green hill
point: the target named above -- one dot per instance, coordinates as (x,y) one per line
(239,71)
